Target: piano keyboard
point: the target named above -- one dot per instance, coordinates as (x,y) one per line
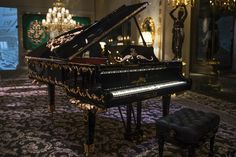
(136,90)
(132,70)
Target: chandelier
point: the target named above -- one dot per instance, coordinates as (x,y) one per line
(224,4)
(175,3)
(58,19)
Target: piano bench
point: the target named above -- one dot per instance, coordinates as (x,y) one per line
(187,128)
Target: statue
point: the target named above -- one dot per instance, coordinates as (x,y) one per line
(178,30)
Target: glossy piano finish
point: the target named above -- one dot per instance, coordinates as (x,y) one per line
(117,76)
(112,85)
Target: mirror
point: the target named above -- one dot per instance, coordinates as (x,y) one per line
(148,27)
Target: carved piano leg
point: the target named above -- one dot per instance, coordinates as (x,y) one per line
(139,115)
(166,104)
(139,118)
(136,134)
(89,121)
(128,129)
(51,97)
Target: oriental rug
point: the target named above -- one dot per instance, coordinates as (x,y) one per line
(28,129)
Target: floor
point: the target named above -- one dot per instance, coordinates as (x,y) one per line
(223,87)
(28,129)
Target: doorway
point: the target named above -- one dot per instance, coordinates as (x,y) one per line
(213,52)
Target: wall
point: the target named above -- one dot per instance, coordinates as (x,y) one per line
(104,7)
(234,45)
(76,7)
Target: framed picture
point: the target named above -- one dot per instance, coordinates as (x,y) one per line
(34,34)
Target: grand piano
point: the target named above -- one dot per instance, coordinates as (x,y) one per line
(114,77)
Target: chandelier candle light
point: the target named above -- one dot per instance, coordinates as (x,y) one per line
(175,3)
(224,4)
(58,19)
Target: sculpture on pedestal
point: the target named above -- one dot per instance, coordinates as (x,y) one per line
(178,30)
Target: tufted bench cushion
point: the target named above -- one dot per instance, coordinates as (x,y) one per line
(188,128)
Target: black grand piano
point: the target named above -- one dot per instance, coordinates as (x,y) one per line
(116,76)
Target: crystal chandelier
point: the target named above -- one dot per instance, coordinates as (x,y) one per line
(224,4)
(58,19)
(175,3)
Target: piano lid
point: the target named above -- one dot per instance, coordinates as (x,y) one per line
(75,42)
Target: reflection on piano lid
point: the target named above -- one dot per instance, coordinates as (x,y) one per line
(152,87)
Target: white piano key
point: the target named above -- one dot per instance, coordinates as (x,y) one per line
(132,70)
(136,90)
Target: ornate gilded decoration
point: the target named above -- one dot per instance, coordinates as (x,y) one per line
(133,55)
(79,69)
(36,32)
(86,106)
(78,91)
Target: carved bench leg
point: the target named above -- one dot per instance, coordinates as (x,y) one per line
(89,121)
(51,98)
(161,146)
(212,141)
(166,104)
(191,151)
(136,133)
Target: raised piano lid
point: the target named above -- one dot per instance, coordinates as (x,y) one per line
(75,42)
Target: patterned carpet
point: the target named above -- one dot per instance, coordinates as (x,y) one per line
(28,129)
